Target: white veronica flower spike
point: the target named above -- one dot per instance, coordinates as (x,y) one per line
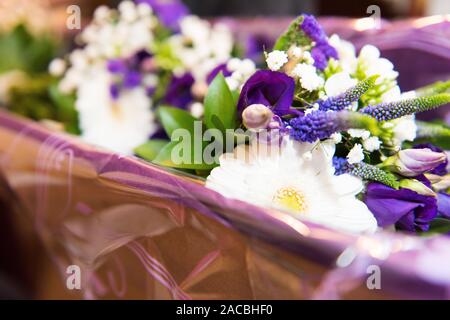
(297,178)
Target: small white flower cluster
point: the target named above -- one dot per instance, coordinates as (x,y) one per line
(302,63)
(309,79)
(112,34)
(240,70)
(369,143)
(276,60)
(201,46)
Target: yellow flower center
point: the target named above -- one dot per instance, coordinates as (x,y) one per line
(290,199)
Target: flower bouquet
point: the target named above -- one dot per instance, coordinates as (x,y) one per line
(323,134)
(319,137)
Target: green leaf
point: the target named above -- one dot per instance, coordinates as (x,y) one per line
(173,118)
(165,158)
(220,105)
(150,149)
(65,108)
(292,36)
(438,226)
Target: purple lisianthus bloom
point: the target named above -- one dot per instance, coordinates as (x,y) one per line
(220,68)
(179,91)
(255,46)
(440,170)
(170,12)
(404,208)
(273,89)
(313,29)
(444,205)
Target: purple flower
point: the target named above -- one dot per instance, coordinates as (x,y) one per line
(316,125)
(116,66)
(220,68)
(321,53)
(114,91)
(413,162)
(313,29)
(131,79)
(340,165)
(179,91)
(444,205)
(405,208)
(170,12)
(440,170)
(255,45)
(273,89)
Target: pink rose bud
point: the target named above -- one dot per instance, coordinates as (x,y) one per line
(412,162)
(257,117)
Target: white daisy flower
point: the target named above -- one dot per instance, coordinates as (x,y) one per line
(297,178)
(119,125)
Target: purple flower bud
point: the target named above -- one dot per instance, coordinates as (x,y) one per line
(257,117)
(114,91)
(413,162)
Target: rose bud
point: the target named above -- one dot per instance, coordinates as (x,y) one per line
(257,117)
(413,162)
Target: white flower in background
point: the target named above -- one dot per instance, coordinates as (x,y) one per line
(197,109)
(372,144)
(370,61)
(36,15)
(346,53)
(338,83)
(241,71)
(297,178)
(356,155)
(309,79)
(119,125)
(57,67)
(9,80)
(119,33)
(201,46)
(276,59)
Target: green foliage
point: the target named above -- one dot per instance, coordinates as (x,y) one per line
(19,49)
(150,150)
(293,36)
(434,88)
(173,118)
(220,105)
(39,98)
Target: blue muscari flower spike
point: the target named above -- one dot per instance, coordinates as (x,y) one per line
(316,125)
(343,100)
(398,109)
(365,171)
(322,124)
